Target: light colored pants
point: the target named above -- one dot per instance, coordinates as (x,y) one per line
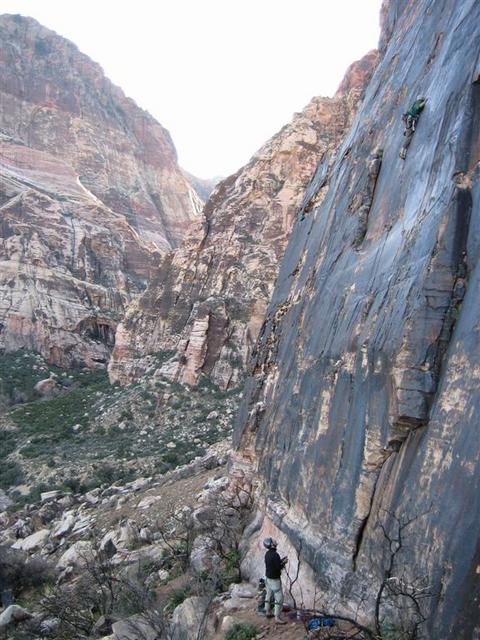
(274,587)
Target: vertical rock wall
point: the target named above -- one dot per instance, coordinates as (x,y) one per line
(364,389)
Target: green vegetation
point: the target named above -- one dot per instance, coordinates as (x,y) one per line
(103,433)
(177,596)
(7,443)
(245,237)
(241,631)
(219,394)
(20,574)
(55,418)
(106,474)
(10,474)
(162,356)
(20,372)
(42,47)
(126,414)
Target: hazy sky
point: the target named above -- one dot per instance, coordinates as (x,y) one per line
(222,75)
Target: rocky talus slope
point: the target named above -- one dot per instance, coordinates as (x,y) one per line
(63,428)
(90,196)
(361,410)
(207,301)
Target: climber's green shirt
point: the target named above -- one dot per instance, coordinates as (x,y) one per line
(416,108)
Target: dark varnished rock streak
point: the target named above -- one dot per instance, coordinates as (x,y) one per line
(364,389)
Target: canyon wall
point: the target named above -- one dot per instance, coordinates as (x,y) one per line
(55,99)
(361,407)
(207,301)
(91,195)
(69,265)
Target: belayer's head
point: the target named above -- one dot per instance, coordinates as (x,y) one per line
(270,543)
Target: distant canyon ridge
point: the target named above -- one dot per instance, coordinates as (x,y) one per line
(91,197)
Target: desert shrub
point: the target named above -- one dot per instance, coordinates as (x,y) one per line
(72,484)
(170,457)
(7,443)
(126,414)
(35,449)
(54,418)
(161,467)
(232,560)
(42,47)
(101,590)
(11,474)
(163,356)
(18,572)
(176,598)
(241,631)
(107,474)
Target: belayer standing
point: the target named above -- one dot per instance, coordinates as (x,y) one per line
(273,570)
(410,119)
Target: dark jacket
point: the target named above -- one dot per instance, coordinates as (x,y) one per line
(273,565)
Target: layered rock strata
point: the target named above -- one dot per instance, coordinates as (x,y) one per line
(55,99)
(68,264)
(361,408)
(208,299)
(90,196)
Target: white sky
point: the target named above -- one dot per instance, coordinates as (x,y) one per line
(221,75)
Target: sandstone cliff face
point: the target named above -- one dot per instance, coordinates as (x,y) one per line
(209,297)
(69,265)
(364,391)
(90,195)
(55,99)
(203,186)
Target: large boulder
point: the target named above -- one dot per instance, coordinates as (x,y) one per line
(5,501)
(203,557)
(22,528)
(77,555)
(190,619)
(243,590)
(126,536)
(104,625)
(153,552)
(12,615)
(34,541)
(47,388)
(137,628)
(241,597)
(50,495)
(65,525)
(228,622)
